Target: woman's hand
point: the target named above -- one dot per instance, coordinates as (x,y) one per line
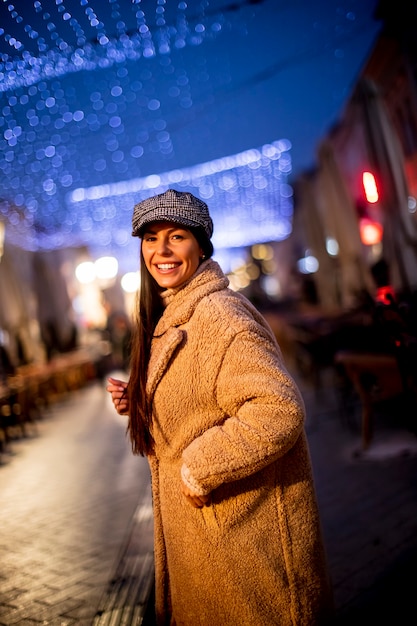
(194,499)
(118,390)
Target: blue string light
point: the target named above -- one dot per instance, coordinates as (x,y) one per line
(94,100)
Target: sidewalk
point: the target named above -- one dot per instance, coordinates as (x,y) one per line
(75,514)
(68,495)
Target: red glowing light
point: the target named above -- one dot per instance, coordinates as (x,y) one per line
(370,187)
(370,231)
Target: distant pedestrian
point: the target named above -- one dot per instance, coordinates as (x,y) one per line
(210,403)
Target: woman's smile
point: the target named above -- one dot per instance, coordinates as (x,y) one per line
(167,266)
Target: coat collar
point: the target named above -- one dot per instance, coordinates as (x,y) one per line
(182,302)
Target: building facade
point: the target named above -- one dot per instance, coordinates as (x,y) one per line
(357,209)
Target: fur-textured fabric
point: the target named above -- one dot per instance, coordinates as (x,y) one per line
(228,415)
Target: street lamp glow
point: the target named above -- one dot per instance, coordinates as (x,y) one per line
(130,282)
(85,272)
(106,267)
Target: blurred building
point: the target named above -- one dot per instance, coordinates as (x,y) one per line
(358,207)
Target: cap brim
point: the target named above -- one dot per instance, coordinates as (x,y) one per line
(182,221)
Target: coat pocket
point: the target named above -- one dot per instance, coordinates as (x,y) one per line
(209,517)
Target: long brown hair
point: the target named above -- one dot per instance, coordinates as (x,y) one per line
(148,311)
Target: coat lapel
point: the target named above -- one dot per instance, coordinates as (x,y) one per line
(162,350)
(167,336)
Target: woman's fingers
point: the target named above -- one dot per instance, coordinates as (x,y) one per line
(115,383)
(118,391)
(195,499)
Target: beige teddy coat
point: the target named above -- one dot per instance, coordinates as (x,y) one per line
(226,412)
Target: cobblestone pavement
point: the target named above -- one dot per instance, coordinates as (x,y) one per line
(67,498)
(76,528)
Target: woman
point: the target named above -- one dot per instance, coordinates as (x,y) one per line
(210,403)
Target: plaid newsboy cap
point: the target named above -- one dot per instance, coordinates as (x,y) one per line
(180,207)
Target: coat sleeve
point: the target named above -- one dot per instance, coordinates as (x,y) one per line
(265,416)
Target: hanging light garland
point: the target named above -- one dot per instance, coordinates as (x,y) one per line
(248,194)
(61,43)
(132,91)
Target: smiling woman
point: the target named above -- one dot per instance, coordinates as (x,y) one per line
(212,406)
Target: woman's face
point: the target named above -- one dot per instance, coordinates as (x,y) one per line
(171,253)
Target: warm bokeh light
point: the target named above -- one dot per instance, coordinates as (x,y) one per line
(262,252)
(370,232)
(130,282)
(85,272)
(370,187)
(106,267)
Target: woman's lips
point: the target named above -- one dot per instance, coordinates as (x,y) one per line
(167,266)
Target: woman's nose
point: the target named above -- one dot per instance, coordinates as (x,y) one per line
(163,247)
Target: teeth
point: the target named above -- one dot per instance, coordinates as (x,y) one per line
(166,266)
